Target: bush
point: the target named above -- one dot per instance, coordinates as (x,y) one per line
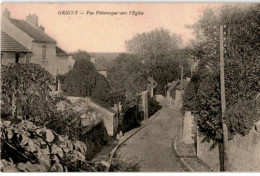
(25,92)
(131,119)
(202,96)
(80,81)
(84,80)
(153,106)
(241,117)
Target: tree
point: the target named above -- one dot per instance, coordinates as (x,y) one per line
(159,51)
(84,80)
(153,45)
(242,69)
(101,91)
(80,54)
(80,81)
(128,75)
(25,91)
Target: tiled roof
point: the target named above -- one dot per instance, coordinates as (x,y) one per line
(37,34)
(59,51)
(8,44)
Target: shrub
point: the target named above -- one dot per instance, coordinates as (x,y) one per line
(242,71)
(25,92)
(241,117)
(153,106)
(84,80)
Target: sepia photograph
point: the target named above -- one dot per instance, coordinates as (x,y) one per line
(130,87)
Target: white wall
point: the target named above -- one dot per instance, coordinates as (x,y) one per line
(16,33)
(53,64)
(9,58)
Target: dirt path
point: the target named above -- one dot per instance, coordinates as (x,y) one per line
(151,149)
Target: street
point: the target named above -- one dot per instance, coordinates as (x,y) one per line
(151,149)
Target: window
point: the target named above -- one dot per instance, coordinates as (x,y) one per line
(2,58)
(17,56)
(44,53)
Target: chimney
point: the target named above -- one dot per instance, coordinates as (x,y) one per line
(6,13)
(33,19)
(42,28)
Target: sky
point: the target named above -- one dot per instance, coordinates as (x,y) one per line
(106,33)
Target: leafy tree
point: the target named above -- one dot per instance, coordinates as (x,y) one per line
(160,53)
(31,122)
(84,80)
(80,54)
(80,81)
(241,69)
(127,75)
(101,91)
(153,45)
(25,92)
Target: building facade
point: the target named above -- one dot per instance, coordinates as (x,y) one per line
(40,47)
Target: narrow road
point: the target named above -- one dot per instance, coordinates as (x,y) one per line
(151,149)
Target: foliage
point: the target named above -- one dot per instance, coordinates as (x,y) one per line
(131,119)
(101,91)
(80,54)
(242,69)
(163,73)
(116,165)
(25,91)
(33,143)
(27,147)
(241,117)
(153,106)
(127,75)
(116,95)
(158,49)
(84,80)
(153,45)
(80,81)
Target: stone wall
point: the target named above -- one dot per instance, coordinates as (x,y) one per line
(206,153)
(243,154)
(188,128)
(107,116)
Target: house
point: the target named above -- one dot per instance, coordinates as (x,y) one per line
(91,118)
(174,93)
(12,51)
(151,85)
(100,68)
(43,49)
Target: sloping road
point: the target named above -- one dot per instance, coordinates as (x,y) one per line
(151,149)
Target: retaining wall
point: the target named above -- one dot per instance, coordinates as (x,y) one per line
(243,153)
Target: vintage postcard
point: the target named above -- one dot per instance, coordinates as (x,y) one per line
(130,87)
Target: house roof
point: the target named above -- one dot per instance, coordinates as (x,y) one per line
(60,51)
(150,79)
(8,44)
(37,34)
(185,83)
(172,85)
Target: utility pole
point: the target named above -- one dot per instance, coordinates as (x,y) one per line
(181,100)
(223,103)
(181,85)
